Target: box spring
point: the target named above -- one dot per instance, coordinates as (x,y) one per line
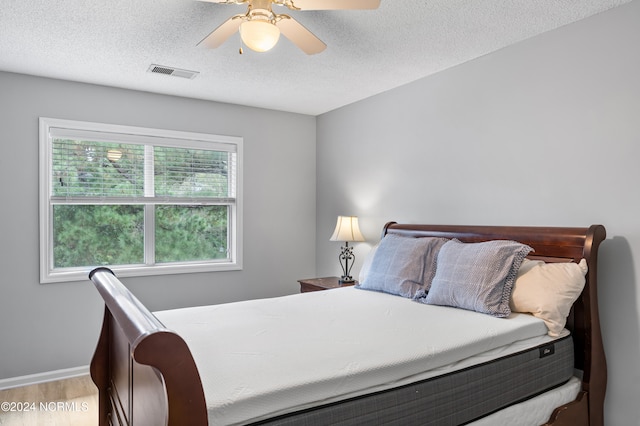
(452,399)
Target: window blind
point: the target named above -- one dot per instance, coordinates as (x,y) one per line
(93,170)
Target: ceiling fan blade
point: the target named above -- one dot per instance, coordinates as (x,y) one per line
(222,33)
(299,35)
(335,4)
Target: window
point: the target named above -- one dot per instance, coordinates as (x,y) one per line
(139,201)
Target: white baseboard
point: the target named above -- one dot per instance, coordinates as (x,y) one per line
(48,376)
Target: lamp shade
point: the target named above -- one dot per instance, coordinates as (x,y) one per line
(259,35)
(347,229)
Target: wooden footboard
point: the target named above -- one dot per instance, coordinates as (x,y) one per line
(145,374)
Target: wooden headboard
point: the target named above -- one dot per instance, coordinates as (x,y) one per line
(551,244)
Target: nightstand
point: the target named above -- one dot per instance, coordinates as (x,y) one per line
(317,284)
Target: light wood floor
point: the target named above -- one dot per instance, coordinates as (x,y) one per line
(69,402)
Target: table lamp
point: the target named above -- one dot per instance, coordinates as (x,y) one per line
(346,230)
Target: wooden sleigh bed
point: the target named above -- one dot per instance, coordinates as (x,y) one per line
(146,374)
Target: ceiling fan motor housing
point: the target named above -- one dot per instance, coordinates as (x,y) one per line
(261,10)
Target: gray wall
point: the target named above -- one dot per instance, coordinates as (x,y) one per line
(546,132)
(55,326)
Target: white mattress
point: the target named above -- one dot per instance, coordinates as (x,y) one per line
(262,358)
(535,411)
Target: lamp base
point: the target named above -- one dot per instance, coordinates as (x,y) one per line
(346,280)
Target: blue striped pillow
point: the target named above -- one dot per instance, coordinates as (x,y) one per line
(477,276)
(402,265)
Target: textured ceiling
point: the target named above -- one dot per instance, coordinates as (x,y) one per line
(114,42)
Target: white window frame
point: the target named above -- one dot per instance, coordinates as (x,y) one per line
(158,137)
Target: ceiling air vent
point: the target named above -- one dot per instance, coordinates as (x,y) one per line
(175,72)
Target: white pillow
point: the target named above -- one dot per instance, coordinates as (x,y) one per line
(548,290)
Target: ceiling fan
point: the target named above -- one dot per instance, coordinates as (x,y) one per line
(260,27)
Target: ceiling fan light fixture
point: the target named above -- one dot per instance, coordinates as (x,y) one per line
(259,35)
